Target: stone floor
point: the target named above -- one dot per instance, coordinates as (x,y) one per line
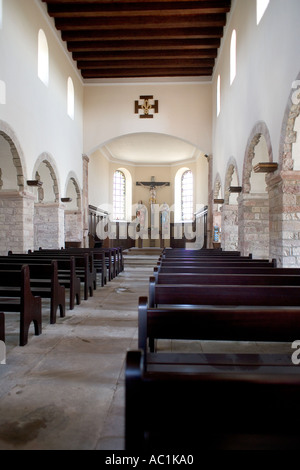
(65,389)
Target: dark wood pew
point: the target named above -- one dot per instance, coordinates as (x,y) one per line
(2,327)
(247,295)
(221,406)
(99,261)
(83,267)
(226,270)
(16,296)
(84,264)
(260,323)
(199,253)
(66,272)
(216,262)
(44,283)
(228,279)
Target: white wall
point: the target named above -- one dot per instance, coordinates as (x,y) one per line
(184,112)
(267,64)
(38,114)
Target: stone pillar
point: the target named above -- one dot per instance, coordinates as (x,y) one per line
(229,224)
(253,232)
(85,200)
(284,191)
(49,229)
(210,206)
(16,221)
(73,226)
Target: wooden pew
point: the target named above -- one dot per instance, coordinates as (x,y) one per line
(99,261)
(84,264)
(66,272)
(16,296)
(44,283)
(221,406)
(226,270)
(83,268)
(214,263)
(227,279)
(2,327)
(260,323)
(248,295)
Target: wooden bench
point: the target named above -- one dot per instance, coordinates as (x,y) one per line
(16,296)
(226,270)
(2,327)
(227,279)
(99,261)
(252,406)
(214,263)
(84,265)
(261,323)
(247,295)
(66,272)
(44,283)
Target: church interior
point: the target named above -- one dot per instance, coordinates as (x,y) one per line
(135,128)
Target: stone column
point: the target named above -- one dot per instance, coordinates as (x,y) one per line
(49,229)
(253,217)
(73,226)
(284,193)
(16,221)
(210,204)
(85,200)
(229,224)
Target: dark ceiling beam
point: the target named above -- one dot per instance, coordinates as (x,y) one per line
(208,35)
(137,45)
(135,73)
(143,55)
(83,9)
(138,22)
(133,64)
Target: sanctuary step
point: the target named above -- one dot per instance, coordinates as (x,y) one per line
(146,257)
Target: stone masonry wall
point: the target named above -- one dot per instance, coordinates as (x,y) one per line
(229,224)
(284,193)
(253,216)
(49,226)
(16,221)
(73,226)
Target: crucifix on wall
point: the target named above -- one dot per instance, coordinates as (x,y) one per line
(152,186)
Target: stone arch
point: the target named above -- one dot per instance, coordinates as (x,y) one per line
(17,154)
(253,203)
(288,134)
(260,129)
(48,162)
(229,176)
(72,179)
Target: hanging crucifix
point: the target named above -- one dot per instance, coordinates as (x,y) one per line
(152,185)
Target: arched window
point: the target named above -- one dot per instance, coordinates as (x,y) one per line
(119,196)
(218,95)
(43,58)
(71,98)
(187,202)
(261,6)
(233,57)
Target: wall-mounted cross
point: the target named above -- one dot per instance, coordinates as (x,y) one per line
(147,107)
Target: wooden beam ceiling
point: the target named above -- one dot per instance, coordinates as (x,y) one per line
(130,38)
